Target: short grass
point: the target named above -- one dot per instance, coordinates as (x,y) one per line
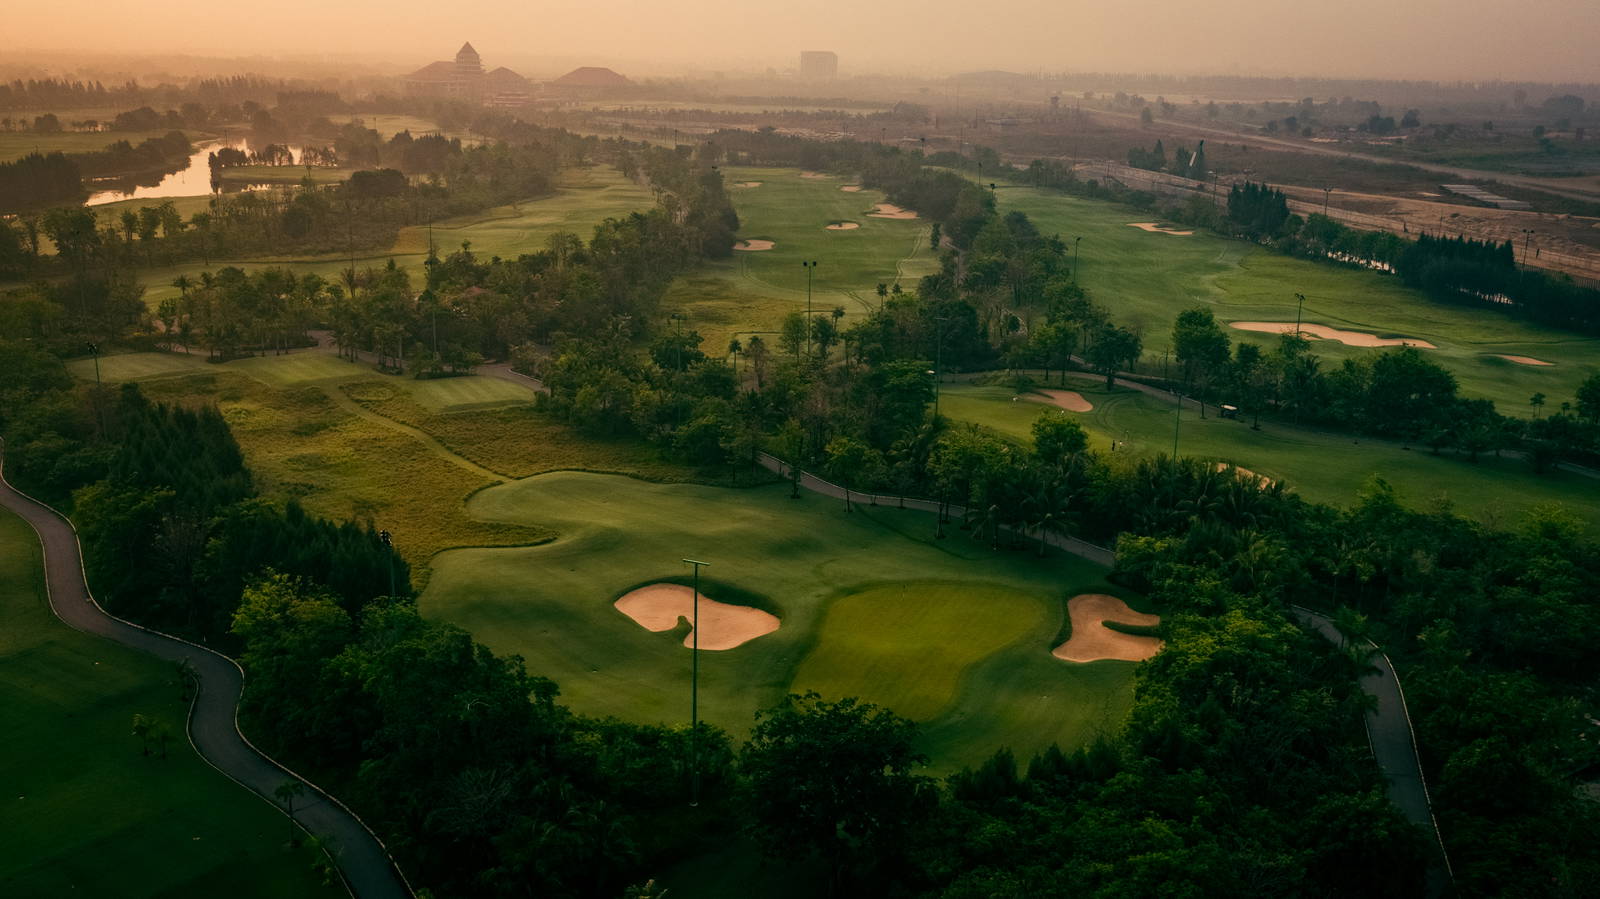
(136,366)
(1321,466)
(302,445)
(84,812)
(752,291)
(284,174)
(17,144)
(1146,279)
(552,604)
(583,198)
(465,393)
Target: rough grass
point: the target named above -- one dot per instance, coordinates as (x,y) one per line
(1322,466)
(1147,279)
(552,604)
(83,811)
(301,445)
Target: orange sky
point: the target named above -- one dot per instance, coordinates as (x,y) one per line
(1443,39)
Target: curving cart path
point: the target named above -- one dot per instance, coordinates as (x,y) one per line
(1394,745)
(363,863)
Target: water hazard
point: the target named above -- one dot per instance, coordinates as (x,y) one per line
(193,180)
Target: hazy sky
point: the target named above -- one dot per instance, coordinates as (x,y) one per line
(1445,39)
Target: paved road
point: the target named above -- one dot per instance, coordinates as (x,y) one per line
(364,864)
(1393,744)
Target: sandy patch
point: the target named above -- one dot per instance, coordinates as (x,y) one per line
(1070,400)
(753,246)
(1247,474)
(1524,360)
(746,185)
(657,607)
(1155,228)
(815,176)
(1323,332)
(1092,641)
(843,226)
(851,188)
(891,211)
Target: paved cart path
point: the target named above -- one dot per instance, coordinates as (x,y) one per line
(365,865)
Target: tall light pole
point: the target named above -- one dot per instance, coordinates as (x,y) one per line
(1300,305)
(1326,193)
(694,689)
(1075,242)
(811,270)
(1177,421)
(388,562)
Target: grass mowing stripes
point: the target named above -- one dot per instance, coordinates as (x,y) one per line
(83,811)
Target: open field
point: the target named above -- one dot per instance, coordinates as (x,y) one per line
(1146,279)
(84,812)
(17,144)
(1321,466)
(284,174)
(752,292)
(583,198)
(799,559)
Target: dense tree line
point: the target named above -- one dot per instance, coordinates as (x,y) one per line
(34,180)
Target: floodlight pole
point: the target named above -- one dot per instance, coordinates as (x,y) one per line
(388,562)
(1177,422)
(1075,242)
(1300,306)
(694,689)
(811,269)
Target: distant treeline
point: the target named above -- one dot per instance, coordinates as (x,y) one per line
(32,181)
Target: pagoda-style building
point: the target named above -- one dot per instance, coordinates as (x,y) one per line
(465,79)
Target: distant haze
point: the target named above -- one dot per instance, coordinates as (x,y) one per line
(1474,40)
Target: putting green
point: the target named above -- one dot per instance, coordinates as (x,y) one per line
(84,813)
(906,645)
(752,292)
(1148,278)
(1322,466)
(552,604)
(466,393)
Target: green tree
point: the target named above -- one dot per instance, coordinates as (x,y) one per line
(833,781)
(1114,347)
(1057,437)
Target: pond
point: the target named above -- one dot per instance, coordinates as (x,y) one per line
(193,180)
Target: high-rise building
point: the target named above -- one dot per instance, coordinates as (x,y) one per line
(819,64)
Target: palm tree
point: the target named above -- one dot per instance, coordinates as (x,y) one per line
(286,793)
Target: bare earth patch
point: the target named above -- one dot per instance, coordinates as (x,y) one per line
(1156,228)
(658,607)
(891,211)
(851,188)
(746,185)
(1092,641)
(1524,360)
(843,226)
(1247,474)
(1323,332)
(1070,400)
(753,246)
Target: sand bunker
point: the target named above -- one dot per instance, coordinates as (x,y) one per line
(1070,400)
(1155,228)
(1323,332)
(1092,641)
(815,176)
(891,211)
(753,246)
(657,607)
(843,226)
(1524,360)
(748,184)
(851,188)
(1247,474)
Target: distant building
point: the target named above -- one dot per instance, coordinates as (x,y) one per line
(822,65)
(465,79)
(587,81)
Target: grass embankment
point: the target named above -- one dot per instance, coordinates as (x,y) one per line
(1322,466)
(1147,279)
(753,291)
(552,604)
(84,812)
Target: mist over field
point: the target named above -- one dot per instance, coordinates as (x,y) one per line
(1425,39)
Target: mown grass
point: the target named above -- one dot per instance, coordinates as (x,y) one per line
(1147,279)
(751,292)
(17,144)
(467,393)
(302,446)
(83,811)
(552,604)
(1322,466)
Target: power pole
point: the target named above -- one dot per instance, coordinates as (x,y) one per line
(694,689)
(811,270)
